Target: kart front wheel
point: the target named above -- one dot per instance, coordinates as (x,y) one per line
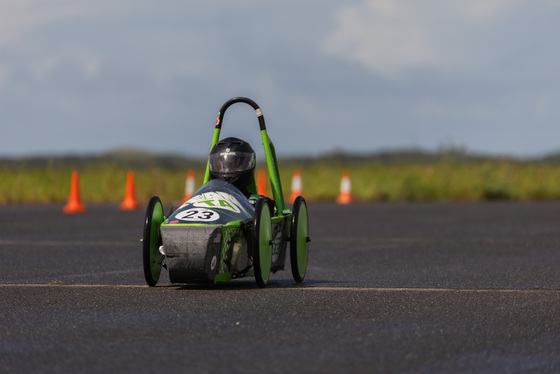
(262,238)
(152,240)
(299,239)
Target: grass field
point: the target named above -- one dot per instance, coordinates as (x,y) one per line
(439,180)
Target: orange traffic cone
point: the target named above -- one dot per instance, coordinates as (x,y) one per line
(345,196)
(129,202)
(189,186)
(296,185)
(74,204)
(261,183)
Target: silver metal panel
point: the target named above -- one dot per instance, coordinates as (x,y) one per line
(191,252)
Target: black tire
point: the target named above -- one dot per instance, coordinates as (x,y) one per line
(261,246)
(299,239)
(151,241)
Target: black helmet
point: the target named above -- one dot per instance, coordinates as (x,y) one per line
(233,160)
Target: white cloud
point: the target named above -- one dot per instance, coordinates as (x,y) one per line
(382,35)
(389,36)
(86,61)
(19,17)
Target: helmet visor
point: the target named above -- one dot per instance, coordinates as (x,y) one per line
(229,162)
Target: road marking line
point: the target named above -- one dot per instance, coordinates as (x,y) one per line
(433,240)
(430,289)
(66,243)
(297,288)
(64,285)
(353,240)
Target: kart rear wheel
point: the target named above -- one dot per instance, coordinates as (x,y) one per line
(262,238)
(152,240)
(299,239)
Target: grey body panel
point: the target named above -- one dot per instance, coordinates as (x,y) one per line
(191,252)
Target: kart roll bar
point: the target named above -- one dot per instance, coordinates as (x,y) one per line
(269,151)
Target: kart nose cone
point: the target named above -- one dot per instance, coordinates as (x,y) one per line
(191,252)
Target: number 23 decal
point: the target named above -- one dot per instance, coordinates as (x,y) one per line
(198,215)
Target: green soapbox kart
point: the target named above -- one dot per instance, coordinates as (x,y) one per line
(218,234)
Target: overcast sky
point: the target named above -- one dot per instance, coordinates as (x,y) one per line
(361,76)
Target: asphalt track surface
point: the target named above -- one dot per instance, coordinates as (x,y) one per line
(391,288)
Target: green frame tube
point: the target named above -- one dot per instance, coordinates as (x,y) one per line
(269,151)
